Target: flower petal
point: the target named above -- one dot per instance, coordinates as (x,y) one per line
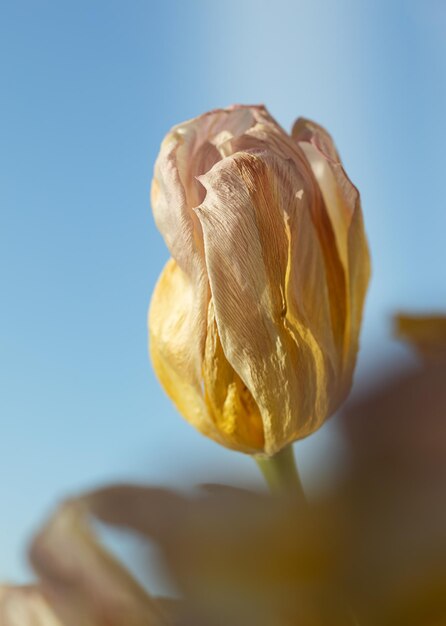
(188,150)
(251,204)
(26,606)
(173,340)
(340,196)
(399,426)
(427,333)
(230,404)
(82,581)
(342,205)
(239,558)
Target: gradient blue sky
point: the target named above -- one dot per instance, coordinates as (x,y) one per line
(89,88)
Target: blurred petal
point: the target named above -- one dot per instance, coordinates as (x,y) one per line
(425,333)
(401,425)
(25,606)
(82,581)
(240,558)
(395,516)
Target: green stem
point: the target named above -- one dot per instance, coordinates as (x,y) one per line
(280,472)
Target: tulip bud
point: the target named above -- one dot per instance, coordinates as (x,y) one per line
(254,322)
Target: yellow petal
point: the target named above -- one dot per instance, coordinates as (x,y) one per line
(175,340)
(230,404)
(211,397)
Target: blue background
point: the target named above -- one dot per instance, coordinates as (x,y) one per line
(89,88)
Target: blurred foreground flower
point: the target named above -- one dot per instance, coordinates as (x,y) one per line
(370,552)
(396,491)
(80,583)
(254,322)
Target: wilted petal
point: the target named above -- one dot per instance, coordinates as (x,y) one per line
(252,216)
(173,346)
(341,203)
(189,150)
(358,282)
(26,606)
(339,194)
(229,402)
(309,307)
(426,333)
(263,135)
(82,581)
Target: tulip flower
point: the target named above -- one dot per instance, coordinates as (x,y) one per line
(254,322)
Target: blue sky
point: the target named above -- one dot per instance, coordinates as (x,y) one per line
(88,91)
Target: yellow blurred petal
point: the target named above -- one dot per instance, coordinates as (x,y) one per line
(400,425)
(427,334)
(84,584)
(396,445)
(25,606)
